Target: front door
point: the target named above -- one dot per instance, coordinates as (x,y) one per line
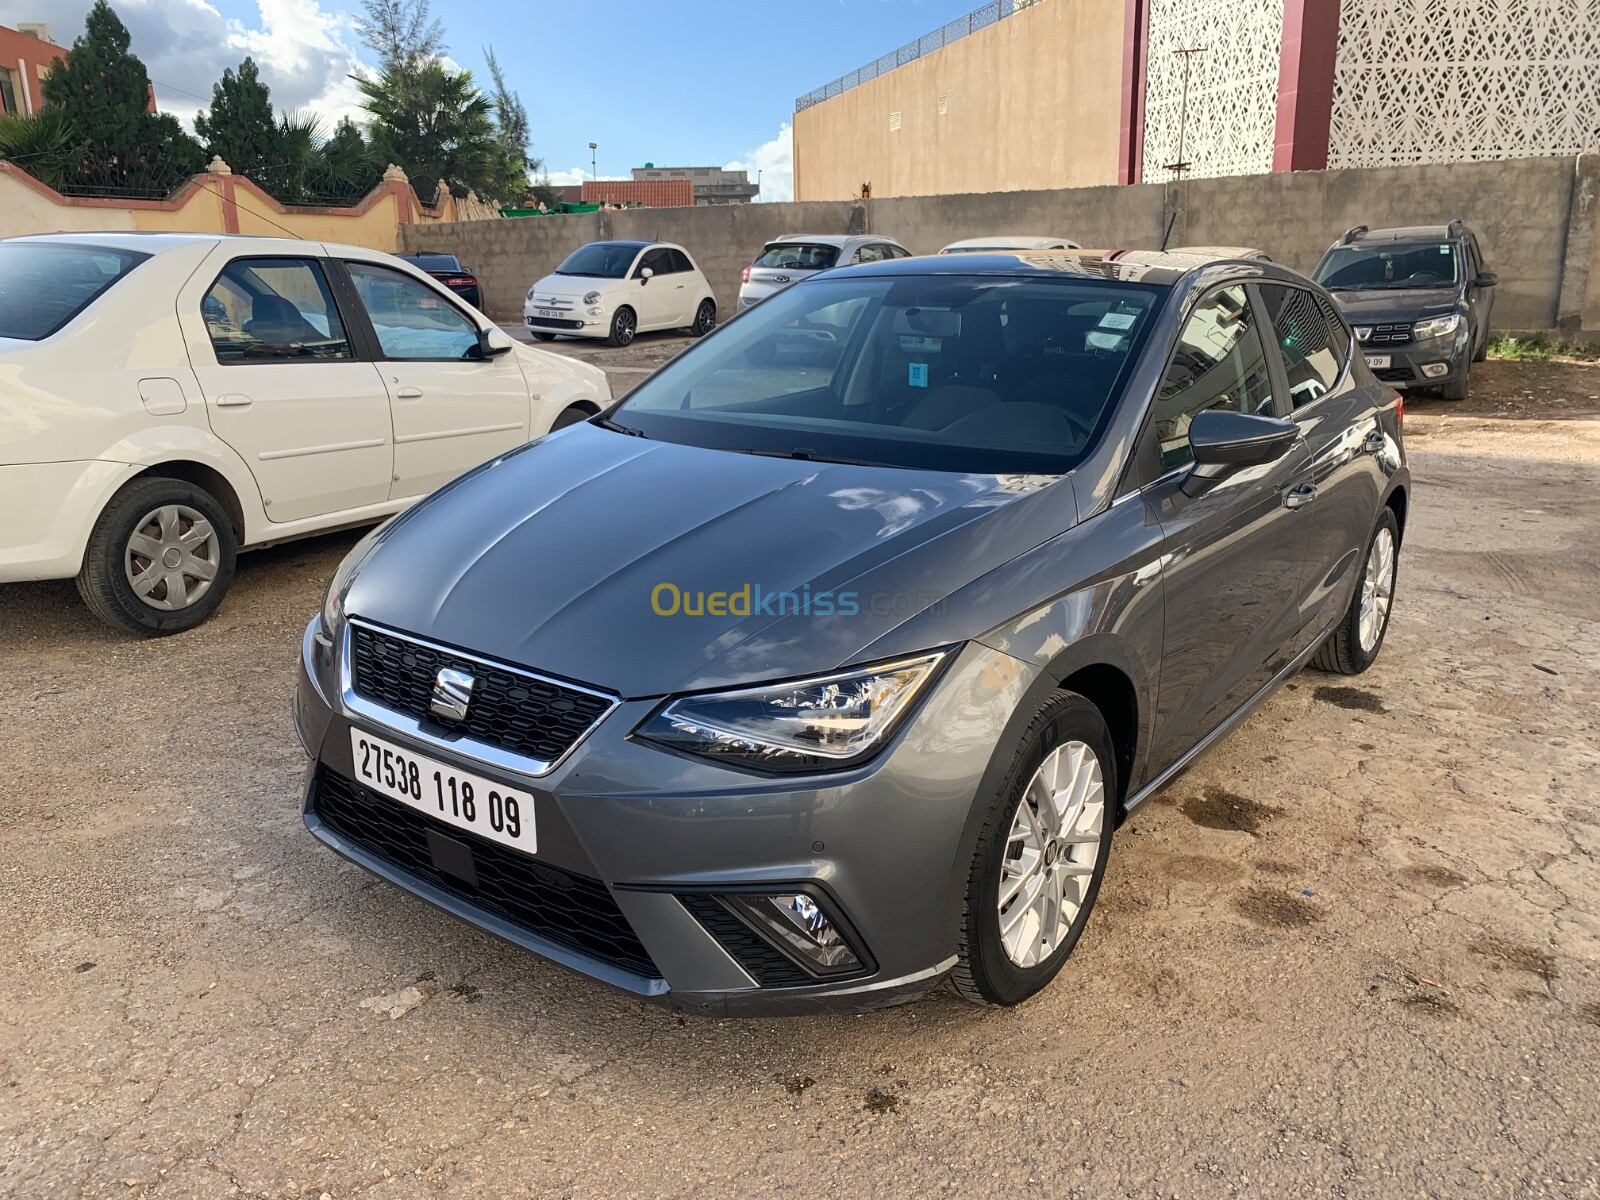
(452,408)
(285,389)
(1231,552)
(654,298)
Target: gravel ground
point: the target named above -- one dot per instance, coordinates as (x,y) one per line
(1355,952)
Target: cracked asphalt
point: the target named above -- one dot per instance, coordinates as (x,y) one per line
(1354,953)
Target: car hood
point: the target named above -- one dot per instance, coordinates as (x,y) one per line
(557,557)
(1403,304)
(573,287)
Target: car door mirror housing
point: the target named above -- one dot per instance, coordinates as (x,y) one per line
(493,342)
(1485,279)
(646,273)
(1224,441)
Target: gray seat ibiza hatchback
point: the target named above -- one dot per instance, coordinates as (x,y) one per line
(822,669)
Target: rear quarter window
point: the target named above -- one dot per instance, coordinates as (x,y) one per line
(44,285)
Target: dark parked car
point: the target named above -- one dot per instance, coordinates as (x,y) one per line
(821,670)
(1419,299)
(447,269)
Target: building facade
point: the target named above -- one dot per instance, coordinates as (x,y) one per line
(25,58)
(712,185)
(1068,93)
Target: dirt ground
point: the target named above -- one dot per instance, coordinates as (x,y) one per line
(1355,952)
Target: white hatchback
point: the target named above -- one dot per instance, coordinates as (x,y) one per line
(614,290)
(169,399)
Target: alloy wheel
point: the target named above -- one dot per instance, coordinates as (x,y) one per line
(706,319)
(1377,590)
(625,328)
(1051,853)
(172,557)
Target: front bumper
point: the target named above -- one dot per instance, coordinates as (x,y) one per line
(578,321)
(642,836)
(1428,363)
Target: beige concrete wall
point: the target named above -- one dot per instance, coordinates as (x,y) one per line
(1032,101)
(23,209)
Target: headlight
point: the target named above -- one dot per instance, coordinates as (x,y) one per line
(592,298)
(811,724)
(530,295)
(1436,327)
(344,577)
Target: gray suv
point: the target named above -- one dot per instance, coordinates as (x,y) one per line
(821,670)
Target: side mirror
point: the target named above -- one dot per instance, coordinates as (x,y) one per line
(1486,279)
(645,274)
(494,341)
(1223,441)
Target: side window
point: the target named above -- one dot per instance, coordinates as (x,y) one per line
(1220,362)
(1312,340)
(678,261)
(273,310)
(872,253)
(410,318)
(656,260)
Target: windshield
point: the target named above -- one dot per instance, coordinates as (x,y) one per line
(43,285)
(1389,267)
(436,262)
(601,260)
(991,374)
(799,256)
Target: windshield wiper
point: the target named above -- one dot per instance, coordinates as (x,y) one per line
(804,455)
(608,423)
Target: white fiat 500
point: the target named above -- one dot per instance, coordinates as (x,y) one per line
(614,290)
(169,399)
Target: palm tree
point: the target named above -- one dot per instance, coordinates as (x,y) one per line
(437,125)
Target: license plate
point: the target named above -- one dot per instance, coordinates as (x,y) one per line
(1377,361)
(467,801)
(549,313)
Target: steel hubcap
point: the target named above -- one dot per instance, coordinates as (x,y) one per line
(171,557)
(1377,590)
(1051,853)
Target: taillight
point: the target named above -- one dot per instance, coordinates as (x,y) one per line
(745,278)
(461,281)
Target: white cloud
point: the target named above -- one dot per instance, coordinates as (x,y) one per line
(573,176)
(305,52)
(774,161)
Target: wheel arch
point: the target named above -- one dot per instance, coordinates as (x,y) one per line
(207,478)
(1398,501)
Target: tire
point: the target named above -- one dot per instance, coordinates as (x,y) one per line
(1344,652)
(1067,730)
(624,326)
(570,416)
(705,318)
(543,337)
(1456,389)
(162,512)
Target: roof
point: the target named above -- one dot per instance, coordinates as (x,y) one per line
(1158,267)
(1407,233)
(840,240)
(1014,242)
(652,193)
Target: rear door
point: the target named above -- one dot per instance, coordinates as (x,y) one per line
(1231,549)
(451,407)
(285,384)
(1339,417)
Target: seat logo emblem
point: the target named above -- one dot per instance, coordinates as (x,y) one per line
(452,690)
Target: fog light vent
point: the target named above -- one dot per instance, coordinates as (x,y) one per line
(797,924)
(1434,370)
(786,939)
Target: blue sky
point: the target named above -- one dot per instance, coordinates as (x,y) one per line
(711,82)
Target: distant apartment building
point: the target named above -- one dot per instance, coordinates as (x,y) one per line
(712,185)
(651,193)
(26,54)
(1028,94)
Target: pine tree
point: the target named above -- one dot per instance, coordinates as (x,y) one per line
(104,91)
(241,127)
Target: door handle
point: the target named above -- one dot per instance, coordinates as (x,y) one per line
(1301,496)
(233,400)
(409,393)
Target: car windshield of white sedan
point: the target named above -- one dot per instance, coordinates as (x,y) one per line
(601,260)
(996,374)
(43,285)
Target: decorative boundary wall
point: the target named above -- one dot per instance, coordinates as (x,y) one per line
(221,202)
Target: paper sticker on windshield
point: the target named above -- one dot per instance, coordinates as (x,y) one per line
(917,375)
(1113,320)
(1097,339)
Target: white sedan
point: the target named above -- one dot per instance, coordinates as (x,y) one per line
(614,290)
(169,399)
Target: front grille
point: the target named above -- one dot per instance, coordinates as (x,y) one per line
(572,910)
(516,711)
(1395,334)
(1394,374)
(762,962)
(553,323)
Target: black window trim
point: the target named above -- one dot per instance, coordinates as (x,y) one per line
(320,261)
(369,332)
(1329,308)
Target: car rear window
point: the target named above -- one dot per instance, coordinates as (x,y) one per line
(799,256)
(43,285)
(436,262)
